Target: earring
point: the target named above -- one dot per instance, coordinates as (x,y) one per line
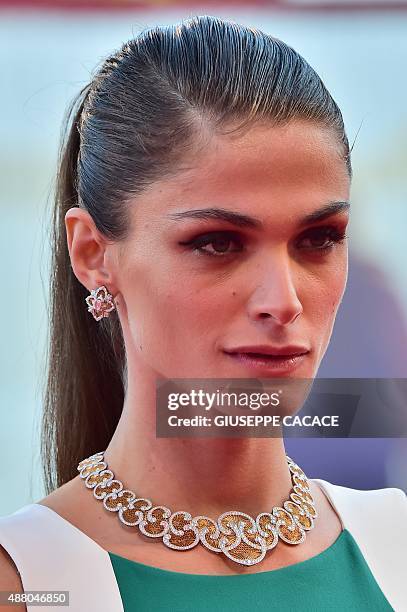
(100,303)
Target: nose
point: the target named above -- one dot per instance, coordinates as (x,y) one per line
(275,295)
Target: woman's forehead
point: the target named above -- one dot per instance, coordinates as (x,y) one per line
(292,171)
(272,156)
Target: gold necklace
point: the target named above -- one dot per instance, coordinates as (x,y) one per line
(240,537)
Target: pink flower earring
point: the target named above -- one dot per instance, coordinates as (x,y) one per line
(100,303)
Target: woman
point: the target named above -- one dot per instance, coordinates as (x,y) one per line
(201,214)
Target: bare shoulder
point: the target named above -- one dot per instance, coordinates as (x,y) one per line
(69,500)
(61,495)
(73,503)
(10,580)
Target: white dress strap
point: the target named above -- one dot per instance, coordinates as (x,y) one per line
(377,520)
(51,554)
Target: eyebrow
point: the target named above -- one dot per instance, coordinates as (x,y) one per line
(241,220)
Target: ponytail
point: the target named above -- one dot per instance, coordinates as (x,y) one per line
(84,394)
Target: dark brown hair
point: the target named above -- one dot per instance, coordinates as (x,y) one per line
(139,116)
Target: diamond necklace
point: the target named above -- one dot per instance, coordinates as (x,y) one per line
(240,537)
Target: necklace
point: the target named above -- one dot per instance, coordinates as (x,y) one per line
(240,537)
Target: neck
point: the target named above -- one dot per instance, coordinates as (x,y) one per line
(203,476)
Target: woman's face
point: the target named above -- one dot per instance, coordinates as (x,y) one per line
(193,284)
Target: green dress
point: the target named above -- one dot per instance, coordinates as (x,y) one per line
(337,579)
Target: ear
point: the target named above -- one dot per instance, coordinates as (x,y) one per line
(88,250)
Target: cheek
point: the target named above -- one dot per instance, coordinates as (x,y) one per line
(192,312)
(338,280)
(324,298)
(171,318)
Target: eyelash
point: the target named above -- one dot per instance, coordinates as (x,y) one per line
(334,234)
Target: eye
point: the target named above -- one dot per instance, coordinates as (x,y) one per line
(220,242)
(321,238)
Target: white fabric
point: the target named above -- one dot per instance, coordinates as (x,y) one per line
(377,520)
(52,554)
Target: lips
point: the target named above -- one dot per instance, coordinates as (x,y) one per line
(269,360)
(264,351)
(266,357)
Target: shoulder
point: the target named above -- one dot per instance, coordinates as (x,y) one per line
(9,576)
(71,502)
(19,533)
(386,495)
(377,521)
(10,579)
(362,507)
